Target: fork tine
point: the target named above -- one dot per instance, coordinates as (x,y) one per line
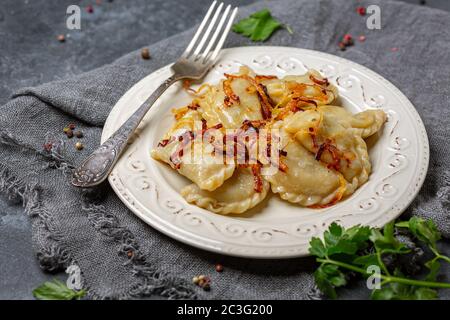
(208,30)
(224,35)
(199,30)
(216,33)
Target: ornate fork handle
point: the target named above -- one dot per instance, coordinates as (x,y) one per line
(96,168)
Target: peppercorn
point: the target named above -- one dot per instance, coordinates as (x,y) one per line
(48,146)
(361,11)
(342,46)
(347,37)
(348,42)
(61,38)
(145,53)
(69,134)
(79,134)
(71,126)
(219,267)
(207,287)
(129,253)
(90,9)
(362,38)
(79,146)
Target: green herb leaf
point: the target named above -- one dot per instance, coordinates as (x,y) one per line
(359,235)
(425,294)
(402,224)
(386,242)
(317,248)
(56,290)
(424,230)
(366,261)
(408,293)
(434,267)
(327,278)
(258,26)
(400,291)
(383,294)
(343,250)
(340,241)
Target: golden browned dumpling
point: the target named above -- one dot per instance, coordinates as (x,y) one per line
(305,181)
(236,195)
(321,155)
(335,137)
(208,174)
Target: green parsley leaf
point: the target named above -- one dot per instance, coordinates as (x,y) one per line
(337,240)
(424,230)
(327,278)
(383,294)
(408,293)
(425,294)
(359,235)
(402,224)
(355,249)
(400,291)
(434,267)
(366,261)
(258,26)
(56,290)
(386,242)
(317,248)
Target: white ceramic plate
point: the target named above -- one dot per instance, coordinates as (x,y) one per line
(275,228)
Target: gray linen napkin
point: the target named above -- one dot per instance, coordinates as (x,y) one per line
(120,256)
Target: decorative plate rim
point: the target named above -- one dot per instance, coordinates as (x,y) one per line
(285,251)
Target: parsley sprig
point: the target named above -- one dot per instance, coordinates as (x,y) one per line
(342,252)
(56,290)
(259,26)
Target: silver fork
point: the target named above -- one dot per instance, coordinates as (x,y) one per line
(193,64)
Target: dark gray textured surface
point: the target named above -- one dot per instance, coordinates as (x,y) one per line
(30,55)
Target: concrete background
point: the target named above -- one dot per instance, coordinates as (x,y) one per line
(30,55)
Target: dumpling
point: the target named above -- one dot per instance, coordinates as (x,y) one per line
(236,195)
(306,181)
(367,122)
(231,102)
(245,96)
(310,88)
(208,174)
(335,137)
(321,155)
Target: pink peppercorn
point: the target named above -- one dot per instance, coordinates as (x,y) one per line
(348,37)
(361,11)
(90,9)
(48,146)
